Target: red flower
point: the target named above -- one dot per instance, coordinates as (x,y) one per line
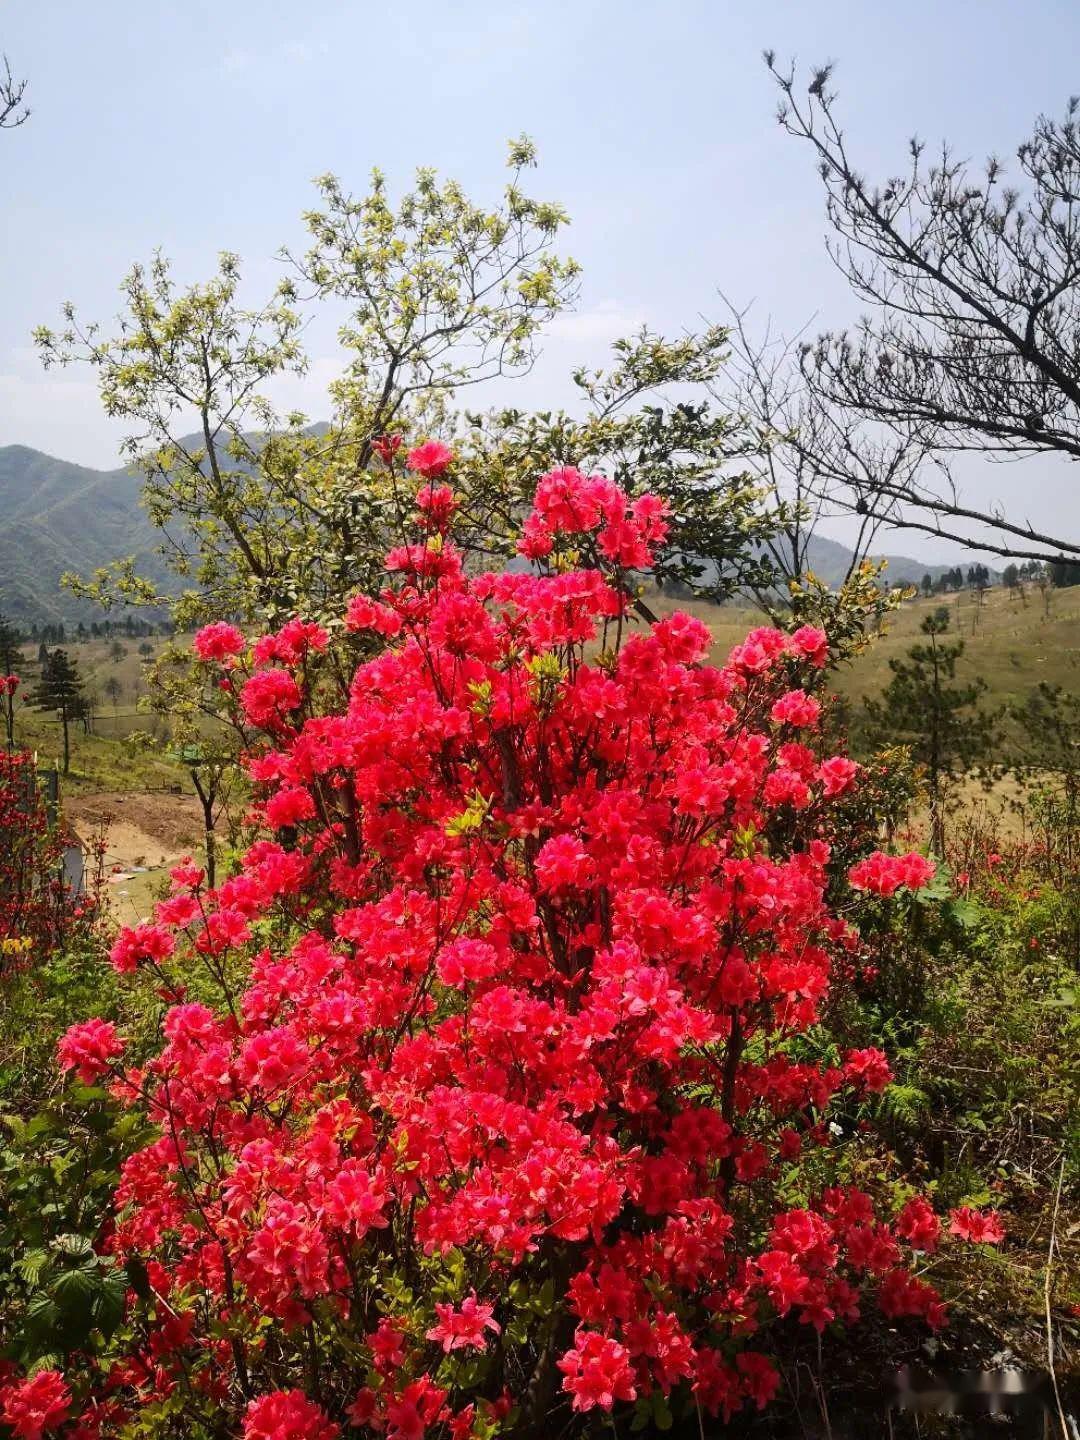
(983,1227)
(463,1328)
(143,942)
(287,1415)
(218,641)
(883,874)
(430,459)
(88,1047)
(597,1372)
(386,447)
(30,1407)
(546,865)
(918,1224)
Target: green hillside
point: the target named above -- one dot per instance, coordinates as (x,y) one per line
(61,517)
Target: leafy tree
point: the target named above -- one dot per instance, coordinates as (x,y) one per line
(261,511)
(1064,573)
(146,650)
(973,329)
(117,652)
(927,585)
(60,688)
(924,708)
(113,690)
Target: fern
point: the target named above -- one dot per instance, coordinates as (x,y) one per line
(905,1104)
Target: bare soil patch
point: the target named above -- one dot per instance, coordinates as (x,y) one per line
(142,829)
(145,835)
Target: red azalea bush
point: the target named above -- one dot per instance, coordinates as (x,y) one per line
(504,1109)
(34,908)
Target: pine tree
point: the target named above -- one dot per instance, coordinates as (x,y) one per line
(60,688)
(938,720)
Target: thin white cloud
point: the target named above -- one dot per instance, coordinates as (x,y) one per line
(600,324)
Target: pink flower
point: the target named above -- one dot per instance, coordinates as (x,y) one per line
(597,1371)
(883,874)
(430,459)
(919,1226)
(87,1047)
(837,775)
(463,1329)
(141,942)
(796,708)
(364,613)
(436,504)
(868,1068)
(386,447)
(268,695)
(218,641)
(562,862)
(291,643)
(287,1415)
(984,1227)
(812,644)
(289,807)
(30,1407)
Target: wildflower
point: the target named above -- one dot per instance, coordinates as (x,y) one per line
(218,641)
(430,459)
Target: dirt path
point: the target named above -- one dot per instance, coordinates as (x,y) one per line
(145,834)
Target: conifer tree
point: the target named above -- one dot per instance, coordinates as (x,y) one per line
(60,688)
(940,721)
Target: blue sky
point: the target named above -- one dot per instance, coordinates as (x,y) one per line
(198,126)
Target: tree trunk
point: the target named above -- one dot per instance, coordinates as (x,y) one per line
(67,746)
(206,800)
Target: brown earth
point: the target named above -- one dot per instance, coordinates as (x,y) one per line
(147,832)
(141,828)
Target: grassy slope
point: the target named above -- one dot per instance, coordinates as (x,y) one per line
(100,761)
(1013,647)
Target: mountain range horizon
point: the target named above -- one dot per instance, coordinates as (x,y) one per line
(63,517)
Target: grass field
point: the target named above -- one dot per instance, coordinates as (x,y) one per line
(100,762)
(1012,646)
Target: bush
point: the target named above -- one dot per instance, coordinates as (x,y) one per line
(513,1104)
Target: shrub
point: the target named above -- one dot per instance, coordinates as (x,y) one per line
(33,906)
(502,1113)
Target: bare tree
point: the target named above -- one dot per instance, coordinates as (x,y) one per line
(13,109)
(817,460)
(972,342)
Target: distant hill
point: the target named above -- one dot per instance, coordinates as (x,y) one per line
(829,561)
(58,517)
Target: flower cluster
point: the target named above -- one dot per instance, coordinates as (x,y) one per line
(30,1407)
(494,1124)
(36,911)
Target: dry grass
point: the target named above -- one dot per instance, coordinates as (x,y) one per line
(1013,646)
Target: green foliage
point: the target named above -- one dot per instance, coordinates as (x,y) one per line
(263,514)
(58,1294)
(938,720)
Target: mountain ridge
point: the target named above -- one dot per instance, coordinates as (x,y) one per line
(60,516)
